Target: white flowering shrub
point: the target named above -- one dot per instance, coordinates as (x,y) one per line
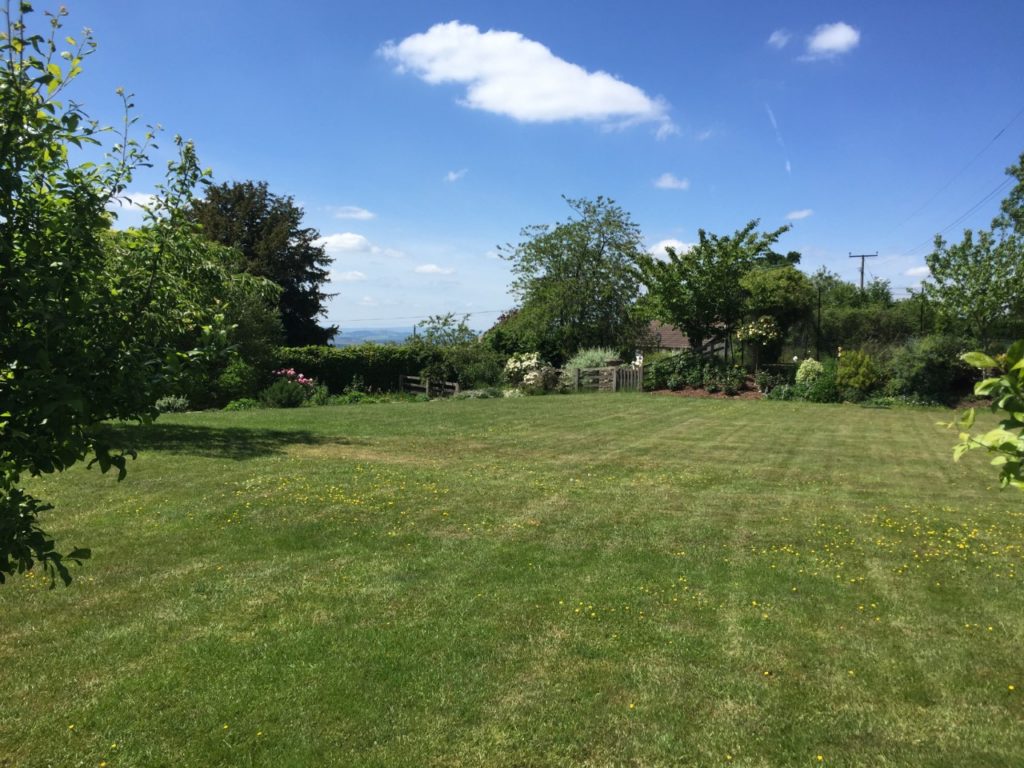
(529,373)
(519,365)
(809,370)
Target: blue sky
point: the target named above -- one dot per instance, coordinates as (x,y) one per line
(419,135)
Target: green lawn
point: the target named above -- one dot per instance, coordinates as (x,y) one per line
(581,580)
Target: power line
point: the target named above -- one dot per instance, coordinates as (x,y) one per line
(962,216)
(956,175)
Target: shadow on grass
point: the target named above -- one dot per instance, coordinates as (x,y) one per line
(212,442)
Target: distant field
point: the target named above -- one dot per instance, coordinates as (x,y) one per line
(593,580)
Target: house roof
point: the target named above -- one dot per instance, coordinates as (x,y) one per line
(666,336)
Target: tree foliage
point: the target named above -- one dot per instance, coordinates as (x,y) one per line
(976,282)
(92,323)
(267,230)
(577,281)
(700,289)
(782,292)
(1006,441)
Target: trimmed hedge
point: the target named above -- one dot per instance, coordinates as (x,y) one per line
(372,367)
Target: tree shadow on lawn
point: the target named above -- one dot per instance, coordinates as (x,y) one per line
(237,443)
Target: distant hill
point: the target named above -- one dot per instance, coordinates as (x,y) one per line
(380,335)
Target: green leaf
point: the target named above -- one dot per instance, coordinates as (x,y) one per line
(967,420)
(986,386)
(979,360)
(1015,354)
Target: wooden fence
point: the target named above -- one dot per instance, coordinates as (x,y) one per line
(427,387)
(609,379)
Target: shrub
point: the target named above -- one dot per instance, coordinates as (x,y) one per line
(930,368)
(531,374)
(766,380)
(284,393)
(243,404)
(318,395)
(728,379)
(809,370)
(238,380)
(686,369)
(479,394)
(856,375)
(785,392)
(594,357)
(677,371)
(378,366)
(823,388)
(172,404)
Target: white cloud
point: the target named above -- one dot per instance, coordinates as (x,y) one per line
(669,181)
(353,212)
(135,200)
(779,38)
(918,272)
(354,276)
(368,301)
(803,213)
(658,249)
(452,176)
(433,269)
(351,243)
(704,135)
(508,74)
(830,40)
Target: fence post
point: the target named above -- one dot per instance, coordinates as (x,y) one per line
(576,386)
(615,379)
(401,383)
(640,382)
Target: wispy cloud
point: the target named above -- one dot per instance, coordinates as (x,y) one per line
(778,137)
(508,74)
(659,249)
(433,269)
(779,38)
(921,271)
(670,181)
(353,212)
(704,135)
(831,40)
(803,213)
(347,277)
(453,176)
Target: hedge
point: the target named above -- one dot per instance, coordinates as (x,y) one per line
(378,366)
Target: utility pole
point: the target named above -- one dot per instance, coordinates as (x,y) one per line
(863,256)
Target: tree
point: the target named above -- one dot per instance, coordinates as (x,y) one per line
(783,292)
(92,323)
(1011,210)
(577,281)
(267,230)
(699,289)
(976,282)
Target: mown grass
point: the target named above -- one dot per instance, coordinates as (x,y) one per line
(580,580)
